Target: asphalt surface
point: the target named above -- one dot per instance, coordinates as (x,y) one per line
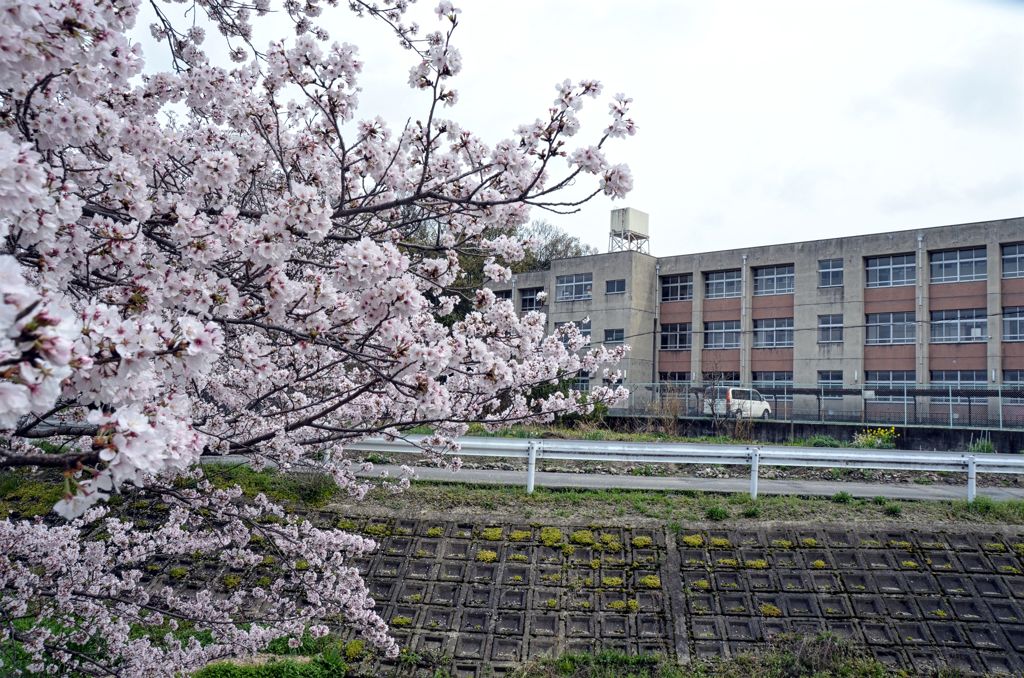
(726,485)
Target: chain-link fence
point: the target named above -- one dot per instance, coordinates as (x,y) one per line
(998,406)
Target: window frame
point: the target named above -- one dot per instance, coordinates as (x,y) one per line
(759,381)
(772,280)
(778,335)
(728,282)
(1013,315)
(889,382)
(1015,380)
(621,336)
(909,320)
(887,263)
(608,284)
(668,378)
(683,287)
(504,295)
(827,329)
(958,260)
(943,381)
(955,329)
(831,382)
(831,272)
(535,303)
(1017,257)
(725,332)
(683,332)
(581,284)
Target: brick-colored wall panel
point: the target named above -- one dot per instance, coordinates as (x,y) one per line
(774,306)
(676,312)
(948,296)
(889,357)
(771,360)
(957,356)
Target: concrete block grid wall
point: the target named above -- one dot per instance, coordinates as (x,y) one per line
(856,357)
(484,597)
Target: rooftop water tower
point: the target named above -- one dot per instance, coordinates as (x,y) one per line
(629,231)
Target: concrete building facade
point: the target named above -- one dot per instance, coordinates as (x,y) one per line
(856,319)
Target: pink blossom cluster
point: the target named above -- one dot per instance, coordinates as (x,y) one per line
(230,258)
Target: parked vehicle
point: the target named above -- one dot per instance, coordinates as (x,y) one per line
(731,401)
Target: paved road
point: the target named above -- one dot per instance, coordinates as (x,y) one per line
(787,487)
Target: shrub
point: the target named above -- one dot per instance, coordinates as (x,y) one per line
(651,581)
(485,556)
(435,531)
(716,513)
(876,438)
(842,497)
(520,535)
(893,510)
(582,537)
(550,536)
(491,534)
(982,446)
(693,540)
(752,511)
(642,542)
(823,441)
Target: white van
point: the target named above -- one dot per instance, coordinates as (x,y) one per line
(731,401)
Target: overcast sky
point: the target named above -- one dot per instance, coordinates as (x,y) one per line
(759,122)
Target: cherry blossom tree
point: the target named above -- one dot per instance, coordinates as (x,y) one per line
(219,259)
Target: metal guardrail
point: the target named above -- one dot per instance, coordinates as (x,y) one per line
(753,456)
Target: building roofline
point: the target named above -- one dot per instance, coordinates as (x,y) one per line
(843,237)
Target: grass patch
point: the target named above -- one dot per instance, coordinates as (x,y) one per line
(674,508)
(305,489)
(823,656)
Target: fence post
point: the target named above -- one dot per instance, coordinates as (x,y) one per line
(904,404)
(755,458)
(972,479)
(531,467)
(1000,404)
(951,406)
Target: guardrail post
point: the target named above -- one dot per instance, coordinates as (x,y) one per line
(755,458)
(972,479)
(531,467)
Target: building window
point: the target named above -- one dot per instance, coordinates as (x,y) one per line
(722,284)
(830,329)
(1014,381)
(890,271)
(722,334)
(777,384)
(770,280)
(677,287)
(1013,323)
(830,382)
(959,265)
(959,326)
(674,377)
(721,378)
(773,333)
(891,328)
(958,380)
(503,294)
(574,287)
(614,336)
(889,386)
(1013,260)
(676,337)
(615,286)
(528,300)
(830,273)
(581,382)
